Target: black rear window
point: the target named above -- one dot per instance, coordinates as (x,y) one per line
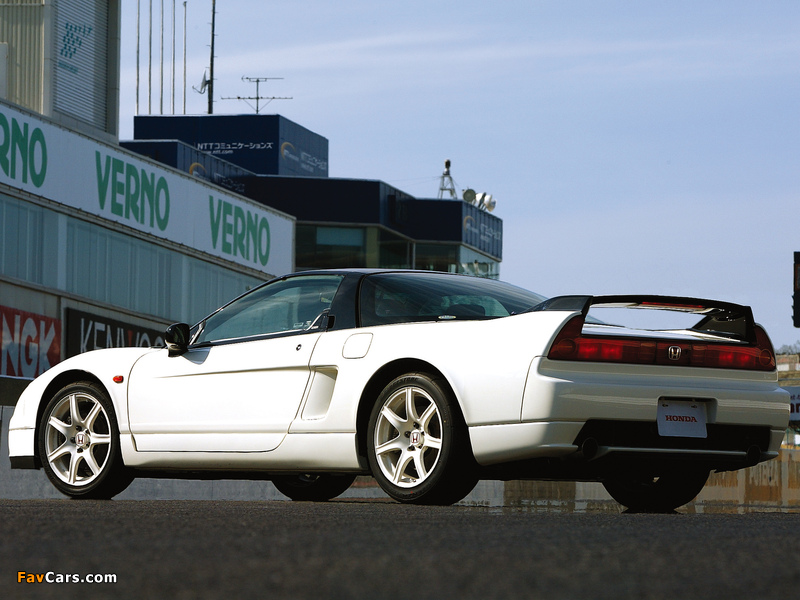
(410,297)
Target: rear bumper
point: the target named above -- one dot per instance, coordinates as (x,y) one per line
(572,391)
(727,447)
(598,444)
(590,414)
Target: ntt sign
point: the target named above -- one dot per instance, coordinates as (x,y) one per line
(49,161)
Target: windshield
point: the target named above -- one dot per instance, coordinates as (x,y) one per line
(409,297)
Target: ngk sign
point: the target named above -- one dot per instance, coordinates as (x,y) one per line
(31,343)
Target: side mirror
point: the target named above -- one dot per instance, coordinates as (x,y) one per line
(177,338)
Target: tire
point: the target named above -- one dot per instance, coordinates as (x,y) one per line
(648,493)
(313,488)
(418,446)
(78,443)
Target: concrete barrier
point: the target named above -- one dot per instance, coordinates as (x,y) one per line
(770,486)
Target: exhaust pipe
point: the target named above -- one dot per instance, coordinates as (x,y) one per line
(753,455)
(589,448)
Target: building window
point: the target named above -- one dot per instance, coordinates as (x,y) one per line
(395,251)
(436,257)
(455,258)
(320,247)
(111,267)
(28,240)
(475,263)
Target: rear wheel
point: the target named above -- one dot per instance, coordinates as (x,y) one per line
(78,443)
(418,446)
(313,488)
(662,493)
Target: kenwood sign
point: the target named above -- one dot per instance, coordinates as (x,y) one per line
(100,179)
(88,331)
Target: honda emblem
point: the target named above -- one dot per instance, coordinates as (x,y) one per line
(674,352)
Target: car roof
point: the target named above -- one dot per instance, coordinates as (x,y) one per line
(373,271)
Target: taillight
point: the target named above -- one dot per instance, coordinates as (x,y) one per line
(572,344)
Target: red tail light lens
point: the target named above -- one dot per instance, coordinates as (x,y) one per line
(571,344)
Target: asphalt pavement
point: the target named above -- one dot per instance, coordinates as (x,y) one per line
(376,549)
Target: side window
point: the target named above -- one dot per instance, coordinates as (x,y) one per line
(471,305)
(284,306)
(413,297)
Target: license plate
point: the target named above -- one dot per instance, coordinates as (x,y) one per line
(681,418)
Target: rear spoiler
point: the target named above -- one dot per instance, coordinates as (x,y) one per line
(731,320)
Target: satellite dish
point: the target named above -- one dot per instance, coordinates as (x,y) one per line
(203,85)
(489,204)
(469,196)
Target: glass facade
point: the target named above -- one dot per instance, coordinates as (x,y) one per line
(337,247)
(52,249)
(28,242)
(436,257)
(330,247)
(455,258)
(395,252)
(475,263)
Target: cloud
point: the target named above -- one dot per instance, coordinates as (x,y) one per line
(468,50)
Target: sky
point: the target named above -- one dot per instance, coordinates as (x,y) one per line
(632,147)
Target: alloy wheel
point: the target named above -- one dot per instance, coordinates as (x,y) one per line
(408,437)
(77,439)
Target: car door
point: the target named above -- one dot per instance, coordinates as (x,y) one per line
(239,384)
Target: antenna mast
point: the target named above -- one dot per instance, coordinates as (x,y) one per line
(211,68)
(446,183)
(258,97)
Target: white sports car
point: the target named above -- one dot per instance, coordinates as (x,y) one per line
(426,381)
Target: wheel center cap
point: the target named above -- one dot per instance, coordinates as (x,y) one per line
(416,438)
(82,439)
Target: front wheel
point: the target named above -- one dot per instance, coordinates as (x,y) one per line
(662,493)
(78,443)
(418,446)
(313,488)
